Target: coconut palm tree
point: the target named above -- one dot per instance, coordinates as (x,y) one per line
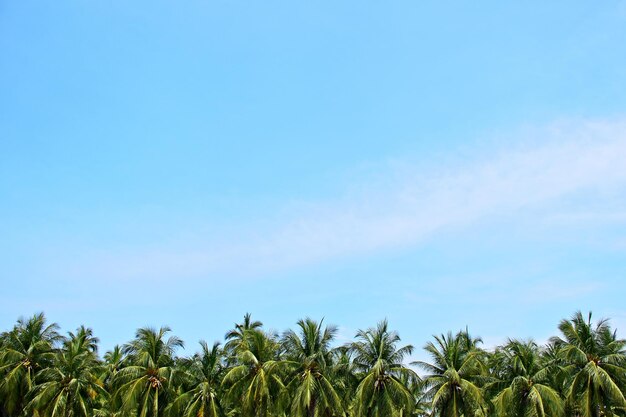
(27,349)
(235,337)
(202,377)
(421,407)
(70,387)
(113,361)
(344,374)
(85,338)
(255,386)
(560,375)
(381,391)
(457,365)
(145,384)
(312,392)
(524,374)
(596,363)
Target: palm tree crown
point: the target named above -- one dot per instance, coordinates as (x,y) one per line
(595,361)
(27,349)
(70,387)
(312,391)
(255,386)
(145,386)
(202,377)
(522,376)
(381,391)
(457,364)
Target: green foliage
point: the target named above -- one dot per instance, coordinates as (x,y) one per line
(255,385)
(200,392)
(527,393)
(594,359)
(27,350)
(453,382)
(70,386)
(580,373)
(146,385)
(311,389)
(381,391)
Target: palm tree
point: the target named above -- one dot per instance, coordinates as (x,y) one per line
(421,404)
(85,338)
(255,385)
(144,386)
(527,392)
(559,376)
(235,337)
(70,387)
(312,393)
(113,362)
(596,363)
(27,349)
(381,391)
(457,364)
(203,375)
(344,375)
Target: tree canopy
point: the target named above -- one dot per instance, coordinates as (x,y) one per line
(306,371)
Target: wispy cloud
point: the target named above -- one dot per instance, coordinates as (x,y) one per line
(564,160)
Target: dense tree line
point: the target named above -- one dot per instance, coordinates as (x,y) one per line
(303,372)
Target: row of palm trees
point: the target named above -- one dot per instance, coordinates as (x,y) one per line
(581,372)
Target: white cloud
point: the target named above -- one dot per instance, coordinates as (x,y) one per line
(564,160)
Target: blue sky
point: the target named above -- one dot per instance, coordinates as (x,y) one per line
(440,164)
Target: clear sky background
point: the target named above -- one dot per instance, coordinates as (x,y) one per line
(440,164)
